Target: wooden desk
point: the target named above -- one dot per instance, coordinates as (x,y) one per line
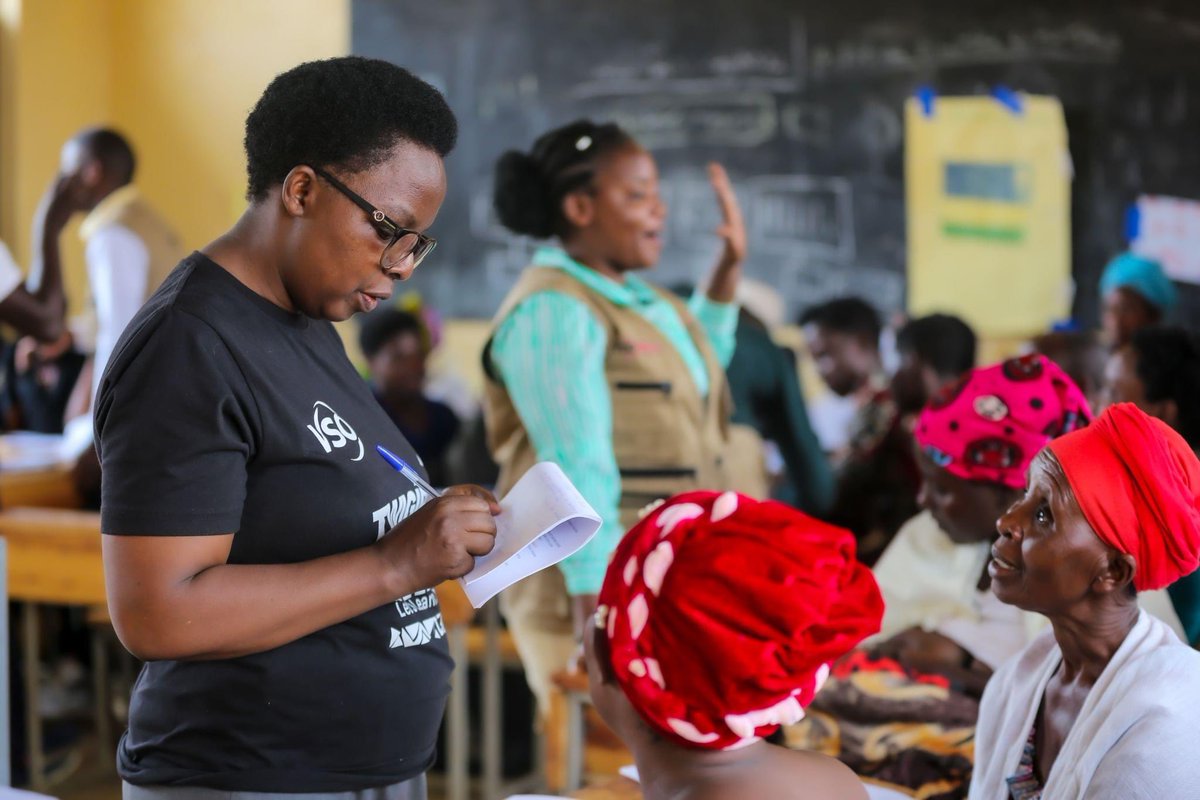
(51,487)
(54,557)
(619,788)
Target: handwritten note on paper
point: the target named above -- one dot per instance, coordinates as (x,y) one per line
(542,520)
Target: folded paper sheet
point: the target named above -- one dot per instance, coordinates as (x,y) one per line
(543,520)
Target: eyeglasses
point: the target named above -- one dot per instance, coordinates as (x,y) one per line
(402,242)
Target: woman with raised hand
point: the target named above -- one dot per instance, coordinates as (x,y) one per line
(1102,705)
(589,366)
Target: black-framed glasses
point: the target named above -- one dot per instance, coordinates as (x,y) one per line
(402,242)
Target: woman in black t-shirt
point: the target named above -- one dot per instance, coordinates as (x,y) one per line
(254,544)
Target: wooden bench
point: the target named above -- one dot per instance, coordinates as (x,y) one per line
(53,558)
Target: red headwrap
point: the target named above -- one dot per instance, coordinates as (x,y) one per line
(1138,484)
(723,614)
(990,425)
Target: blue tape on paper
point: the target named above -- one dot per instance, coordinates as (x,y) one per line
(1133,223)
(1008,98)
(1066,326)
(925,96)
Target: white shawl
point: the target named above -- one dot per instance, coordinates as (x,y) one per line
(1136,736)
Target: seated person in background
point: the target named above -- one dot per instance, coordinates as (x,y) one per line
(876,476)
(718,620)
(38,381)
(1135,293)
(1080,354)
(903,710)
(1159,372)
(395,344)
(935,351)
(842,337)
(1103,705)
(974,442)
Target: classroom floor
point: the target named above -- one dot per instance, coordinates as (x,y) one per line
(96,779)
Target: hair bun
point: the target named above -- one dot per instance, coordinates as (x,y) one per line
(520,196)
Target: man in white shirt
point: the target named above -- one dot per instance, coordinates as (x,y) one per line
(130,249)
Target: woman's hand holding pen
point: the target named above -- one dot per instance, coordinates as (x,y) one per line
(441,540)
(732,230)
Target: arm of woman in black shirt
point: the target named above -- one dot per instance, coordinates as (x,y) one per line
(176,598)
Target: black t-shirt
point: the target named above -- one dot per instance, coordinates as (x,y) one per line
(220,412)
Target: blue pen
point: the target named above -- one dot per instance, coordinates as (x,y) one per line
(401,466)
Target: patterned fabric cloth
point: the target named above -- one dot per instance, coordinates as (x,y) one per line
(550,352)
(723,614)
(1024,784)
(893,725)
(990,425)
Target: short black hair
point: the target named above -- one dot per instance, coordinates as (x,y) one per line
(112,150)
(380,327)
(344,112)
(1168,364)
(850,315)
(942,341)
(529,187)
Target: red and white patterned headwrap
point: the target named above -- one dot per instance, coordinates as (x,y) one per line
(723,614)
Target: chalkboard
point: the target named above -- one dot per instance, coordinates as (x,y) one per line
(802,101)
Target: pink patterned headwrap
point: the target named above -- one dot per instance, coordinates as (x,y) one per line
(990,425)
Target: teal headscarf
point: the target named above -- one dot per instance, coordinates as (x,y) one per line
(1141,275)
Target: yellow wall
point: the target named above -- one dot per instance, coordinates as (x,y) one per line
(57,78)
(190,72)
(177,76)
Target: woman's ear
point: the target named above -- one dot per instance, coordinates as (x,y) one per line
(595,649)
(1118,574)
(607,695)
(297,190)
(579,209)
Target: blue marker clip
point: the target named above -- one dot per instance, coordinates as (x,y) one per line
(400,465)
(1009,99)
(926,95)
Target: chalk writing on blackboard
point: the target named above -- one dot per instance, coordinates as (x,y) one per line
(798,212)
(662,122)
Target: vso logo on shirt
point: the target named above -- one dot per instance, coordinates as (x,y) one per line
(333,432)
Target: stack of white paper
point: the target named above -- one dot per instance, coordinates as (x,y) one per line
(543,520)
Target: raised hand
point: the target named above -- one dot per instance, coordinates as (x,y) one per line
(59,202)
(732,229)
(722,288)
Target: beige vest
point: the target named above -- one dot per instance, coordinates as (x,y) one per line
(127,207)
(667,438)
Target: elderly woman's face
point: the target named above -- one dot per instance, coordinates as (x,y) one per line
(965,510)
(1047,557)
(333,268)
